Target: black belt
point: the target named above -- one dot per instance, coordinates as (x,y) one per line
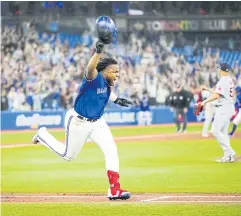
(218,105)
(86,119)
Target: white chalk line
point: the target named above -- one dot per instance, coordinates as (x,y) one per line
(153,199)
(196,201)
(191,196)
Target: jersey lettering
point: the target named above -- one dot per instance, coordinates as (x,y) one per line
(93,97)
(101,90)
(225,87)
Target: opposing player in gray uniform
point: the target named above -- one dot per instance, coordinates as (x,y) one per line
(223,95)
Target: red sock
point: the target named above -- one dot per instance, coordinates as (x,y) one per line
(114,181)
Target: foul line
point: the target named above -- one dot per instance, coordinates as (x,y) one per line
(196,201)
(191,196)
(150,200)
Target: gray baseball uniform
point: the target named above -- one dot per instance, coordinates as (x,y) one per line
(224,112)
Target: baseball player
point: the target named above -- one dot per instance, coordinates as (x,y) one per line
(144,116)
(85,120)
(209,113)
(237,119)
(223,95)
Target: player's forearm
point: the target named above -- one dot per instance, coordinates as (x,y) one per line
(213,97)
(113,96)
(93,62)
(91,67)
(119,101)
(91,72)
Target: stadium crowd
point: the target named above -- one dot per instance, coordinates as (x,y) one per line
(39,71)
(84,8)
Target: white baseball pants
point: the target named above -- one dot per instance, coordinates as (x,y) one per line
(220,125)
(77,131)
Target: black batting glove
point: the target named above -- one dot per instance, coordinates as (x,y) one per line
(123,102)
(99,46)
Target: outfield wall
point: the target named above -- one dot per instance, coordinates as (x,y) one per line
(113,116)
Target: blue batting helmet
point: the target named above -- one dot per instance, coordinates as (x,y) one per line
(238,89)
(106,29)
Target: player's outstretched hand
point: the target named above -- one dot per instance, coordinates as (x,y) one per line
(99,46)
(123,102)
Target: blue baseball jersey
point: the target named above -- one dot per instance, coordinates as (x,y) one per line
(144,104)
(93,97)
(238,101)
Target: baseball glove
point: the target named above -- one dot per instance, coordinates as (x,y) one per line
(123,102)
(197,109)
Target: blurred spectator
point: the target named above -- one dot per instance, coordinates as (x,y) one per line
(166,8)
(19,100)
(162,93)
(44,70)
(4,100)
(151,85)
(144,115)
(231,44)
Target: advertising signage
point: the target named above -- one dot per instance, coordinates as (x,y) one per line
(187,25)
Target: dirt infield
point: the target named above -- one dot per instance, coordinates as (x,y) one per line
(136,198)
(139,138)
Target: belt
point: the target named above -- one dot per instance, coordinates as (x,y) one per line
(86,119)
(218,105)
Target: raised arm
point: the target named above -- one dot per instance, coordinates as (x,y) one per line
(91,71)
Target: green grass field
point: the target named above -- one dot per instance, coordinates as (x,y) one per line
(169,166)
(116,209)
(178,166)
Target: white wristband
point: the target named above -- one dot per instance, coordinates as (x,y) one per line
(113,96)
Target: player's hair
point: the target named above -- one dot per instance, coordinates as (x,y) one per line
(105,62)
